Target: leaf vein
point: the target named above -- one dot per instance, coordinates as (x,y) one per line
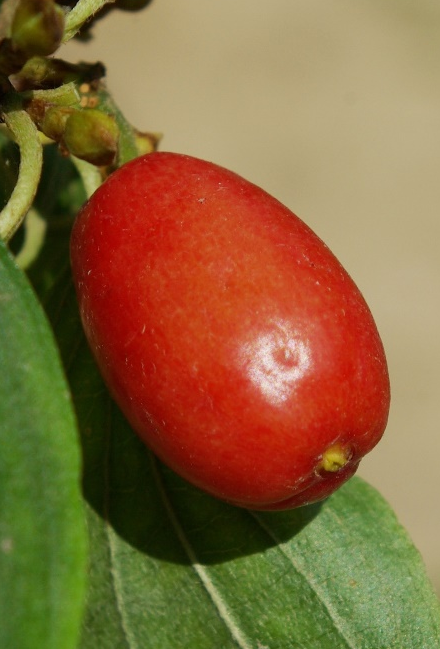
(333,614)
(222,609)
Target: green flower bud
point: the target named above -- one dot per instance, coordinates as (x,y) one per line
(146,142)
(92,135)
(54,121)
(37,27)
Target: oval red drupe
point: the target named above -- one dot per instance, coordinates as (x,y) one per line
(235,343)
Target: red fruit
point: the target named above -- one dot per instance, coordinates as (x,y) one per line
(235,343)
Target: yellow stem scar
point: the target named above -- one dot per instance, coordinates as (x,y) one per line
(335,458)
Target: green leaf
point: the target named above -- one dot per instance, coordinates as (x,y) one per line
(42,531)
(172,567)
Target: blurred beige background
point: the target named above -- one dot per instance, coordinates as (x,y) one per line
(333,106)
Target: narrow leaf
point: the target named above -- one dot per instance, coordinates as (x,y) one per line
(42,532)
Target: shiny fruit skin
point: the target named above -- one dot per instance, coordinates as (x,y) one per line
(232,339)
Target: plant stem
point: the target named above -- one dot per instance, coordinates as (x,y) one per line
(31,160)
(33,239)
(82,11)
(65,95)
(90,175)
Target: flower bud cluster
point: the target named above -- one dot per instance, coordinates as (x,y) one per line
(36,30)
(67,102)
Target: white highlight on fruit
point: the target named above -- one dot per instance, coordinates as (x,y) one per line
(276,361)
